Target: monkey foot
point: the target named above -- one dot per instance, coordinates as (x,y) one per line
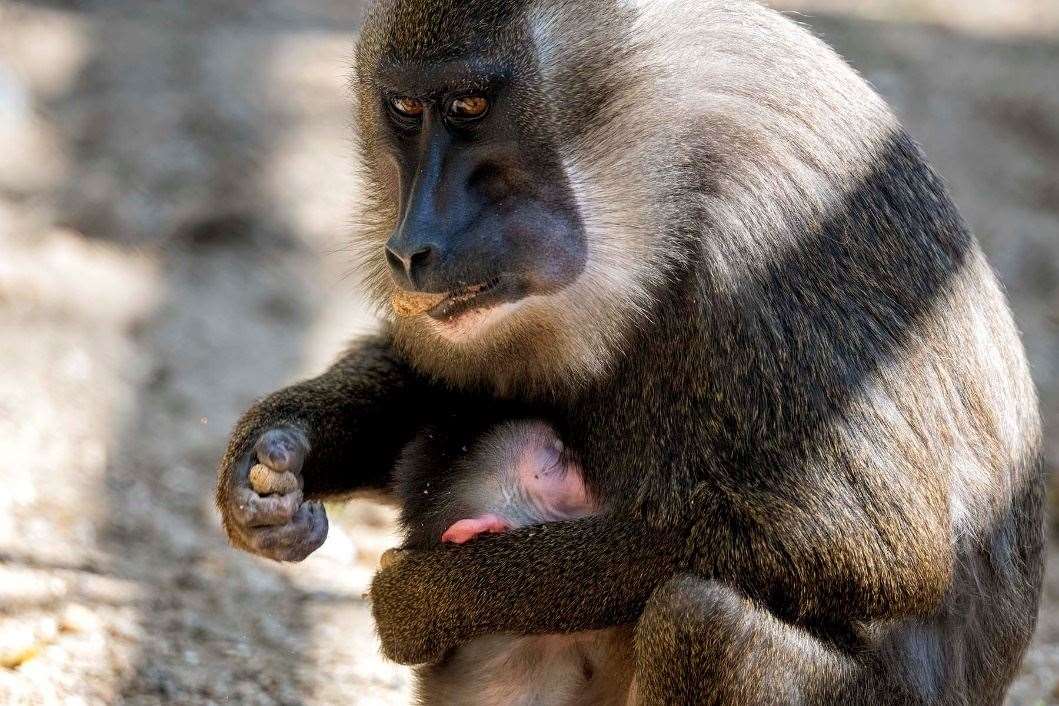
(466,530)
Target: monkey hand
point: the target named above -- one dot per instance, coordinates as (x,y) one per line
(409,606)
(262,502)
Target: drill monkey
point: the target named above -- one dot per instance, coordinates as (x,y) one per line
(691,240)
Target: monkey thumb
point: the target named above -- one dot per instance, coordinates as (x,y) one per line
(391,557)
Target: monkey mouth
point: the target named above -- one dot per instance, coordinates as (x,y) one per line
(477,296)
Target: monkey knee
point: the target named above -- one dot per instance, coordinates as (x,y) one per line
(695,609)
(690,640)
(693,625)
(702,641)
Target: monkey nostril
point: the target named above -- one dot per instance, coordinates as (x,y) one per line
(419,259)
(409,265)
(396,261)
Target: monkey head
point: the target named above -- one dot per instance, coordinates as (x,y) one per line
(556,175)
(480,153)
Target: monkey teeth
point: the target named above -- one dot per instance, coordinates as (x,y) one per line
(472,291)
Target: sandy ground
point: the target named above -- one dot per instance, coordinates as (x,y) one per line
(175,180)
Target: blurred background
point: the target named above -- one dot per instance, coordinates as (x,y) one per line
(175,184)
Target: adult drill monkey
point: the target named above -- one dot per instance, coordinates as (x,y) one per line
(691,240)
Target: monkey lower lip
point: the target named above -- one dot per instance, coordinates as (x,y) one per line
(478,296)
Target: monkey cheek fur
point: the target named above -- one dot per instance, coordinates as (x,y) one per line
(470,324)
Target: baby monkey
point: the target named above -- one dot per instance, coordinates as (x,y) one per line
(516,474)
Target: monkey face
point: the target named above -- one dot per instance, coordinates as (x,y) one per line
(485,214)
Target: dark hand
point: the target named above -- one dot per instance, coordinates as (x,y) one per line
(410,605)
(262,501)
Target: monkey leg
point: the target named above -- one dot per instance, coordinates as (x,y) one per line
(702,642)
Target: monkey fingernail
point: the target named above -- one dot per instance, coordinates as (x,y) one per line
(415,303)
(265,481)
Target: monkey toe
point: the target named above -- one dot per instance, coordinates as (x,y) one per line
(467,529)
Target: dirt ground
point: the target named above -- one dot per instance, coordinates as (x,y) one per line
(175,184)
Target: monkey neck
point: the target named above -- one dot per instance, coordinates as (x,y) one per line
(661,350)
(545,359)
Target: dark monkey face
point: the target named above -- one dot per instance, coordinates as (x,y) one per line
(483,213)
(486,216)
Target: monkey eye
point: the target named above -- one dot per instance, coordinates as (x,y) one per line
(407,108)
(468,108)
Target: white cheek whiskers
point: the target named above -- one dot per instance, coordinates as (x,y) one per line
(472,324)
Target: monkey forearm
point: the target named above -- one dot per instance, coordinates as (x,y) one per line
(561,577)
(806,563)
(355,418)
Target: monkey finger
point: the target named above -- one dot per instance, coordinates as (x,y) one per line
(296,540)
(253,510)
(282,449)
(391,557)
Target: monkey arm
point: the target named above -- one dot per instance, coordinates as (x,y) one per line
(824,555)
(822,552)
(354,419)
(583,574)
